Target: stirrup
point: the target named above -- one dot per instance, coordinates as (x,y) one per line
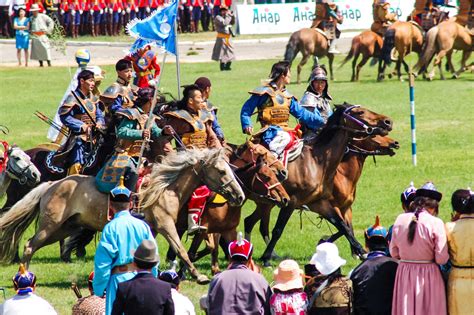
(196,229)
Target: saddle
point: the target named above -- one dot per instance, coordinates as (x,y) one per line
(418,26)
(320,31)
(292,151)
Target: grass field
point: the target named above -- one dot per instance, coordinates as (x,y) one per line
(445,134)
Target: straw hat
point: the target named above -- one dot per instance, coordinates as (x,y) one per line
(327,259)
(288,276)
(34,7)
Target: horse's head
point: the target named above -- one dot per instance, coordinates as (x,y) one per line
(256,150)
(377,145)
(216,173)
(382,12)
(20,167)
(363,122)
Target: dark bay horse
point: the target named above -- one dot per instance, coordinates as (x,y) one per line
(345,182)
(75,202)
(310,42)
(311,175)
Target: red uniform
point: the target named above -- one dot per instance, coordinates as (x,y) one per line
(143,3)
(146,67)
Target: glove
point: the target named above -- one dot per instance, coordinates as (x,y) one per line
(80,11)
(211,6)
(62,11)
(101,11)
(136,10)
(152,83)
(127,10)
(111,11)
(119,10)
(147,9)
(91,11)
(73,12)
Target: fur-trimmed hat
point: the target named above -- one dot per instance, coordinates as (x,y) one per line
(120,193)
(240,247)
(24,281)
(429,190)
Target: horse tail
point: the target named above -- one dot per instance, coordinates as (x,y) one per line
(15,222)
(429,49)
(292,47)
(353,52)
(388,44)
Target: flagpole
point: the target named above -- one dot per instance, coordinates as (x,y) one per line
(178,69)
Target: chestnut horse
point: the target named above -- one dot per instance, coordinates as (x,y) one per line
(75,201)
(311,175)
(345,182)
(310,42)
(442,40)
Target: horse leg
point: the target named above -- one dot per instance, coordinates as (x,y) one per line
(167,228)
(354,77)
(360,65)
(381,70)
(331,59)
(77,241)
(449,57)
(303,61)
(170,254)
(398,69)
(283,218)
(250,221)
(465,56)
(193,252)
(406,67)
(265,229)
(214,245)
(438,62)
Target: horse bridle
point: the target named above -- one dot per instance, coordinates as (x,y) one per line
(367,130)
(21,176)
(221,190)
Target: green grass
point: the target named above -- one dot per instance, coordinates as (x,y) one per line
(445,134)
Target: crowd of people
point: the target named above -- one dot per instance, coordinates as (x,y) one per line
(418,266)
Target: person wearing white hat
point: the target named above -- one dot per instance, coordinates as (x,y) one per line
(288,296)
(329,292)
(41,25)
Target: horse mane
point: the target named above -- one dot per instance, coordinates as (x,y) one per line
(329,129)
(169,170)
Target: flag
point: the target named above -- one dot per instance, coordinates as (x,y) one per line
(157,28)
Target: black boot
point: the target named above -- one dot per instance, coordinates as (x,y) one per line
(227,66)
(49,63)
(222,66)
(41,63)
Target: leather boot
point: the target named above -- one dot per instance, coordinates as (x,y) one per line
(194,216)
(97,29)
(227,66)
(115,31)
(93,30)
(222,65)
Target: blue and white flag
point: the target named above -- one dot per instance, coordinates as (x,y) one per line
(158,28)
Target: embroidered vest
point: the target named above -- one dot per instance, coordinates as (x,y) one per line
(132,147)
(198,137)
(276,110)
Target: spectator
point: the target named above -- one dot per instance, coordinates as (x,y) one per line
(144,294)
(197,8)
(90,305)
(5,21)
(223,50)
(461,279)
(239,290)
(113,258)
(182,305)
(329,292)
(406,197)
(25,302)
(374,278)
(419,242)
(288,296)
(41,25)
(22,25)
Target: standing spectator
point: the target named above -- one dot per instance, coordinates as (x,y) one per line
(184,10)
(206,15)
(25,302)
(197,7)
(131,11)
(65,16)
(90,305)
(22,26)
(41,25)
(5,21)
(374,278)
(223,50)
(155,4)
(97,17)
(461,249)
(419,242)
(288,296)
(182,305)
(143,9)
(239,290)
(15,5)
(144,294)
(113,258)
(329,292)
(76,9)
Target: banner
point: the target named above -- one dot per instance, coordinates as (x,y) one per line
(290,17)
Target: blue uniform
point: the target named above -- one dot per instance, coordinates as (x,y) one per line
(119,237)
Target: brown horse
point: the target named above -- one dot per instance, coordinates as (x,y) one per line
(345,182)
(310,42)
(442,40)
(311,175)
(405,37)
(74,201)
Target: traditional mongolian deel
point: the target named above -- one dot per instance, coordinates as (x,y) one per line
(41,25)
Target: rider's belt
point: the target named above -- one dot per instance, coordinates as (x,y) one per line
(224,36)
(144,73)
(123,269)
(197,139)
(39,33)
(84,118)
(417,261)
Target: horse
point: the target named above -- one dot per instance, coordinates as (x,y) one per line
(345,182)
(73,202)
(369,43)
(405,37)
(222,219)
(311,174)
(442,40)
(15,164)
(310,42)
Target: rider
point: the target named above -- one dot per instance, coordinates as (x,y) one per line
(192,123)
(327,17)
(274,105)
(205,85)
(146,67)
(316,98)
(81,115)
(131,133)
(381,23)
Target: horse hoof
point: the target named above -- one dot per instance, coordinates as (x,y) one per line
(390,76)
(202,279)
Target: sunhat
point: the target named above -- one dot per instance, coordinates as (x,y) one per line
(288,276)
(327,259)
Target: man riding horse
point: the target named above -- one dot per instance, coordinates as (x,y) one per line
(427,13)
(274,104)
(81,113)
(327,17)
(192,123)
(382,17)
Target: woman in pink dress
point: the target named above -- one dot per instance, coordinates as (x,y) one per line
(419,242)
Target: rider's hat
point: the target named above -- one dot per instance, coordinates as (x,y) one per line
(429,190)
(240,247)
(120,193)
(83,56)
(318,74)
(24,281)
(408,195)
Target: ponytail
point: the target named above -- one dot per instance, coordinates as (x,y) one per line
(417,206)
